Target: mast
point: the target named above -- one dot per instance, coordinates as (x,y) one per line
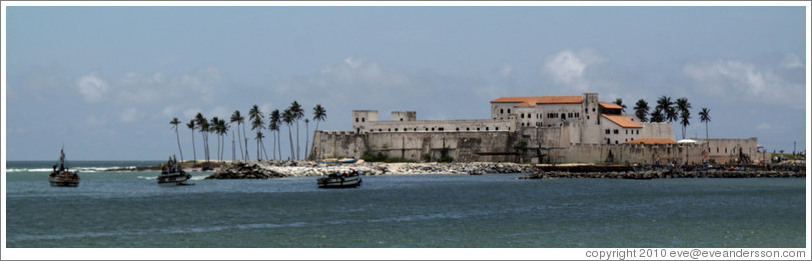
(61,159)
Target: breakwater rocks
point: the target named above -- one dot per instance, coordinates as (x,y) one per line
(279,169)
(666,174)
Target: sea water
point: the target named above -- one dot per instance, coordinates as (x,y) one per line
(129,209)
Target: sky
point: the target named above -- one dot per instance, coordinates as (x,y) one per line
(106,81)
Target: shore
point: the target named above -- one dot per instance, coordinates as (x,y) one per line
(278,169)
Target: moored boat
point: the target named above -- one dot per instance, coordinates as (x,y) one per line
(343,180)
(63,177)
(173,175)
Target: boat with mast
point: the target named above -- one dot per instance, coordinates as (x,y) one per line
(173,175)
(63,177)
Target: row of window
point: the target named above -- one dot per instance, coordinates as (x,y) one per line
(437,129)
(615,131)
(609,141)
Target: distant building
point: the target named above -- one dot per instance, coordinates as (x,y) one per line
(537,129)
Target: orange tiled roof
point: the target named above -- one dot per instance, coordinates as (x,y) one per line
(622,121)
(651,141)
(533,101)
(610,105)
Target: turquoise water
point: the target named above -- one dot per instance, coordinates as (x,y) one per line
(129,209)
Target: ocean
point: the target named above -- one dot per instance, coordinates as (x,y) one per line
(129,210)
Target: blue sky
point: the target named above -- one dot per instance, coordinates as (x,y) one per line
(106,81)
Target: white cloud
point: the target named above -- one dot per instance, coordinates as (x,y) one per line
(570,68)
(792,61)
(505,70)
(129,115)
(742,80)
(92,87)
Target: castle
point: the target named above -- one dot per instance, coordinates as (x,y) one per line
(544,129)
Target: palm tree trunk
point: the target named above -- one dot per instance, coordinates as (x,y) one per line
(245,138)
(297,140)
(258,158)
(307,139)
(178,138)
(239,137)
(279,143)
(273,144)
(290,136)
(264,151)
(233,152)
(194,151)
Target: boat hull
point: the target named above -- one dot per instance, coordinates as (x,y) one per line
(172,180)
(63,180)
(338,182)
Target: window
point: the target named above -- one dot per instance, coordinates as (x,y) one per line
(432,128)
(458,129)
(627,131)
(477,129)
(356,119)
(401,119)
(501,111)
(508,111)
(638,132)
(441,129)
(607,131)
(486,128)
(615,141)
(415,129)
(396,129)
(563,116)
(522,115)
(362,119)
(616,132)
(467,129)
(593,109)
(380,129)
(390,129)
(497,128)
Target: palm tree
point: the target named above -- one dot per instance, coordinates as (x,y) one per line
(221,130)
(256,124)
(215,128)
(273,126)
(204,131)
(259,141)
(276,119)
(657,115)
(191,125)
(175,123)
(319,114)
(255,115)
(684,107)
(307,136)
(619,102)
(641,110)
(288,118)
(704,116)
(298,113)
(666,107)
(236,117)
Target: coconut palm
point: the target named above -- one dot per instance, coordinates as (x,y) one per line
(255,115)
(288,117)
(204,131)
(298,113)
(657,115)
(256,124)
(307,135)
(175,123)
(239,119)
(259,141)
(704,116)
(319,114)
(666,107)
(191,125)
(273,126)
(276,121)
(215,128)
(641,110)
(619,102)
(684,107)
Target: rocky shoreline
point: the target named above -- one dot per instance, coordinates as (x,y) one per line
(666,174)
(279,169)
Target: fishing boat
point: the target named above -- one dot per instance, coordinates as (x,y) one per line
(475,172)
(337,161)
(173,175)
(63,177)
(343,180)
